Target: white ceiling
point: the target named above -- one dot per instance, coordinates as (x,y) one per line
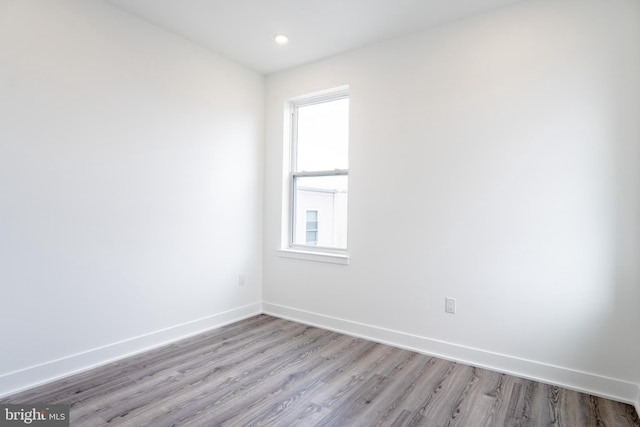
(243,30)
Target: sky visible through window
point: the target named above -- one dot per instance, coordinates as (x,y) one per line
(323,136)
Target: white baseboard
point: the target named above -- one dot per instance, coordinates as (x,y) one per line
(597,385)
(23,379)
(610,388)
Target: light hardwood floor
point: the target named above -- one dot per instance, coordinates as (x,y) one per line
(273,372)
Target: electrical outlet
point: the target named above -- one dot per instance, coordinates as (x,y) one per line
(242,279)
(450,305)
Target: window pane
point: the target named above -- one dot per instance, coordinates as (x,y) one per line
(312,238)
(323,136)
(312,228)
(321,208)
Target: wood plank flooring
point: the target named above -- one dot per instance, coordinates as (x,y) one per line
(266,371)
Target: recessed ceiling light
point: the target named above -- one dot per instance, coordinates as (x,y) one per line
(281,39)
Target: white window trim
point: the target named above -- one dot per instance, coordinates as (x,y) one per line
(289,248)
(313,255)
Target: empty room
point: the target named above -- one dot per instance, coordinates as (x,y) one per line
(320,213)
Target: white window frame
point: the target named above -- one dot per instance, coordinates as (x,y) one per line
(293,250)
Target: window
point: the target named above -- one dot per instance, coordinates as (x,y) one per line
(312,228)
(319,172)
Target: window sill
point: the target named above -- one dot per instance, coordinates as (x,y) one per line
(332,258)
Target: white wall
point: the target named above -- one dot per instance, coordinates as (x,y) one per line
(130,187)
(506,148)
